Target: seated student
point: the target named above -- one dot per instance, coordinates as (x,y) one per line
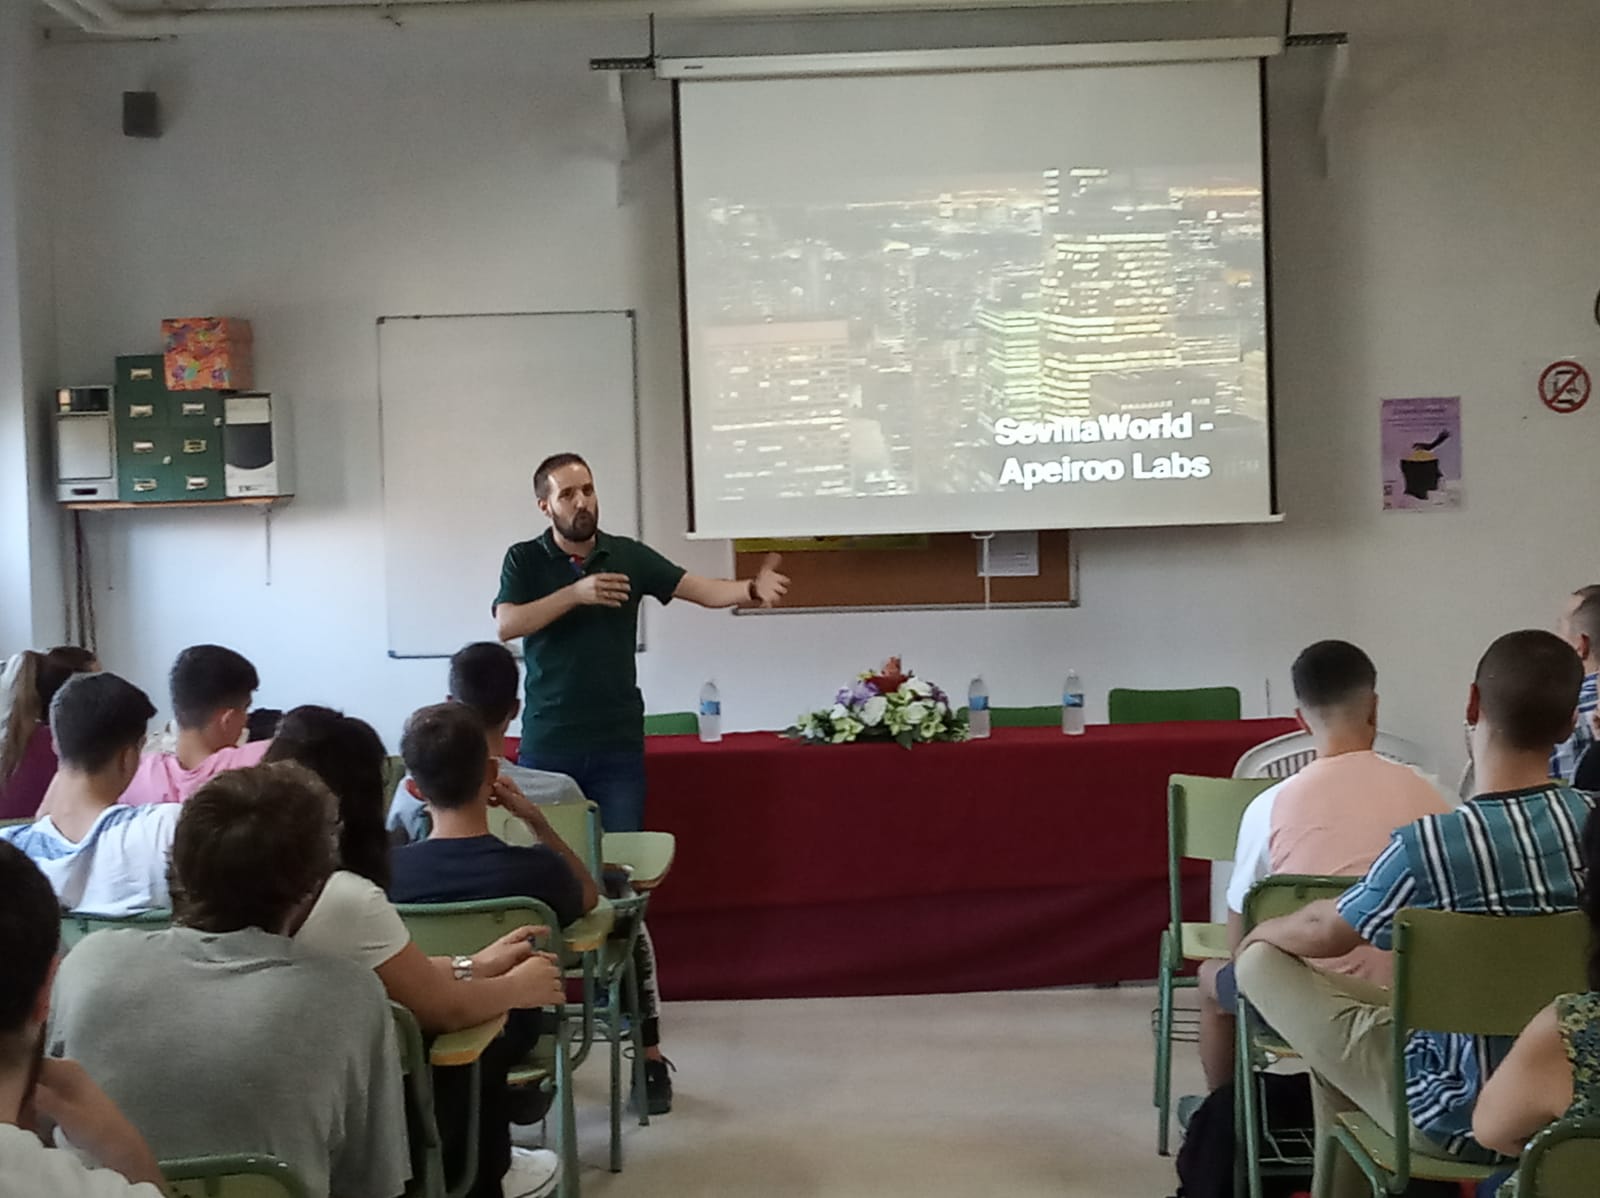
(1334,817)
(211,689)
(1553,1070)
(353,919)
(58,1091)
(1580,628)
(27,755)
(443,747)
(478,677)
(102,857)
(244,1041)
(484,677)
(1513,849)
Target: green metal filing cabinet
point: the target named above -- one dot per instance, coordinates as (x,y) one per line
(169,443)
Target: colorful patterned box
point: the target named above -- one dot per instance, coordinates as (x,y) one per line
(206,353)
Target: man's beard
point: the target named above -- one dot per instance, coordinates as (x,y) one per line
(580,528)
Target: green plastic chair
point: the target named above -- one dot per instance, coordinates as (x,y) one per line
(1563,1161)
(461,929)
(1203,817)
(609,967)
(244,1176)
(15,823)
(1025,717)
(1126,706)
(1280,1151)
(672,723)
(1441,985)
(75,925)
(456,1050)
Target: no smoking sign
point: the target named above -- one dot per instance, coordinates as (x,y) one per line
(1565,386)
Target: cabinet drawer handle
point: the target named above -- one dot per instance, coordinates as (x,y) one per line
(144,484)
(141,411)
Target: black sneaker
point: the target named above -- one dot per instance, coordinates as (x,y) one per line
(658,1085)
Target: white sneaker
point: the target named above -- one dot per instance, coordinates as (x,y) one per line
(534,1173)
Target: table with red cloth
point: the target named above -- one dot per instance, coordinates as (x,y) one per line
(1027,859)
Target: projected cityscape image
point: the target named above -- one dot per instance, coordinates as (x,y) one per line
(868,346)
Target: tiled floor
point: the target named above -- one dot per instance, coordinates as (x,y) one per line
(1040,1093)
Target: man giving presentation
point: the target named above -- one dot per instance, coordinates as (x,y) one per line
(573,596)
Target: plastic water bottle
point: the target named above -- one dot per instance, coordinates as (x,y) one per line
(710,713)
(978,710)
(1072,705)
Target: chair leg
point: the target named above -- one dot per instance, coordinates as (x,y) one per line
(614,1010)
(630,978)
(1249,1124)
(568,1122)
(1164,1048)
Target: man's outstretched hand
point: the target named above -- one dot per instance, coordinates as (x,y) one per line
(770,586)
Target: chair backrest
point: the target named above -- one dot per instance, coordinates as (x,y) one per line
(1562,1162)
(1125,706)
(1025,717)
(461,929)
(232,1177)
(422,1126)
(1279,758)
(1203,817)
(1283,894)
(576,823)
(394,772)
(75,926)
(1517,964)
(672,723)
(1477,975)
(1284,756)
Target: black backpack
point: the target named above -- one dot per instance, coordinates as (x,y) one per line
(1205,1161)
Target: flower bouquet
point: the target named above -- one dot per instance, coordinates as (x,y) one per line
(889,703)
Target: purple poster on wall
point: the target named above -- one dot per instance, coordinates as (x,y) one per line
(1421,454)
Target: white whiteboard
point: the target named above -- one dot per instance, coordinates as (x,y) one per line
(469,405)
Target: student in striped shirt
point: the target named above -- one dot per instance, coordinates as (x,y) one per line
(1513,849)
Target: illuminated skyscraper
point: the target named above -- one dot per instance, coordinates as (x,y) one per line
(1109,289)
(1008,349)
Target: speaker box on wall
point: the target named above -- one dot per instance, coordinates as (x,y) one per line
(141,114)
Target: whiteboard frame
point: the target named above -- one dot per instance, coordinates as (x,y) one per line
(631,315)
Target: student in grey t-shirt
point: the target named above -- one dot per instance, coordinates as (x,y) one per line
(408,816)
(223,1035)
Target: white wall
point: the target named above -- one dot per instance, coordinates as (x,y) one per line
(30,559)
(315,180)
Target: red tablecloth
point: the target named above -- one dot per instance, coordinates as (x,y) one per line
(1029,859)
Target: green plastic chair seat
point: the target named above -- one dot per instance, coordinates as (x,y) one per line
(1125,706)
(672,723)
(1206,942)
(1380,1146)
(648,855)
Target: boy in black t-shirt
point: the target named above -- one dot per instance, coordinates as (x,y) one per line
(443,747)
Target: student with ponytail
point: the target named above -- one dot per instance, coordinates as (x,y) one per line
(27,755)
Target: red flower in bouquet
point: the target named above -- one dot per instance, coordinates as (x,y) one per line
(890,677)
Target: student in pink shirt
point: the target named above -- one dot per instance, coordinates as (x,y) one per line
(1333,818)
(211,692)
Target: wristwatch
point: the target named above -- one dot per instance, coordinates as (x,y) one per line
(462,968)
(754,597)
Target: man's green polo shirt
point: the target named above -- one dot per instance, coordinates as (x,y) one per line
(582,691)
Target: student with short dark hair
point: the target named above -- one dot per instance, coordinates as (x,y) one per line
(1332,818)
(101,856)
(245,1041)
(211,690)
(60,1091)
(1513,849)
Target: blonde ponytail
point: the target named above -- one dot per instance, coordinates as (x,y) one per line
(20,710)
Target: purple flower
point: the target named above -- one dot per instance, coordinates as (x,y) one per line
(860,692)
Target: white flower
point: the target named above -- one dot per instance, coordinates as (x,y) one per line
(917,687)
(916,713)
(839,712)
(873,709)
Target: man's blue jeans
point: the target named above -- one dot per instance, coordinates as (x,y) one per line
(612,778)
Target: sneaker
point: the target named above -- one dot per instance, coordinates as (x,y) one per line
(534,1173)
(657,1085)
